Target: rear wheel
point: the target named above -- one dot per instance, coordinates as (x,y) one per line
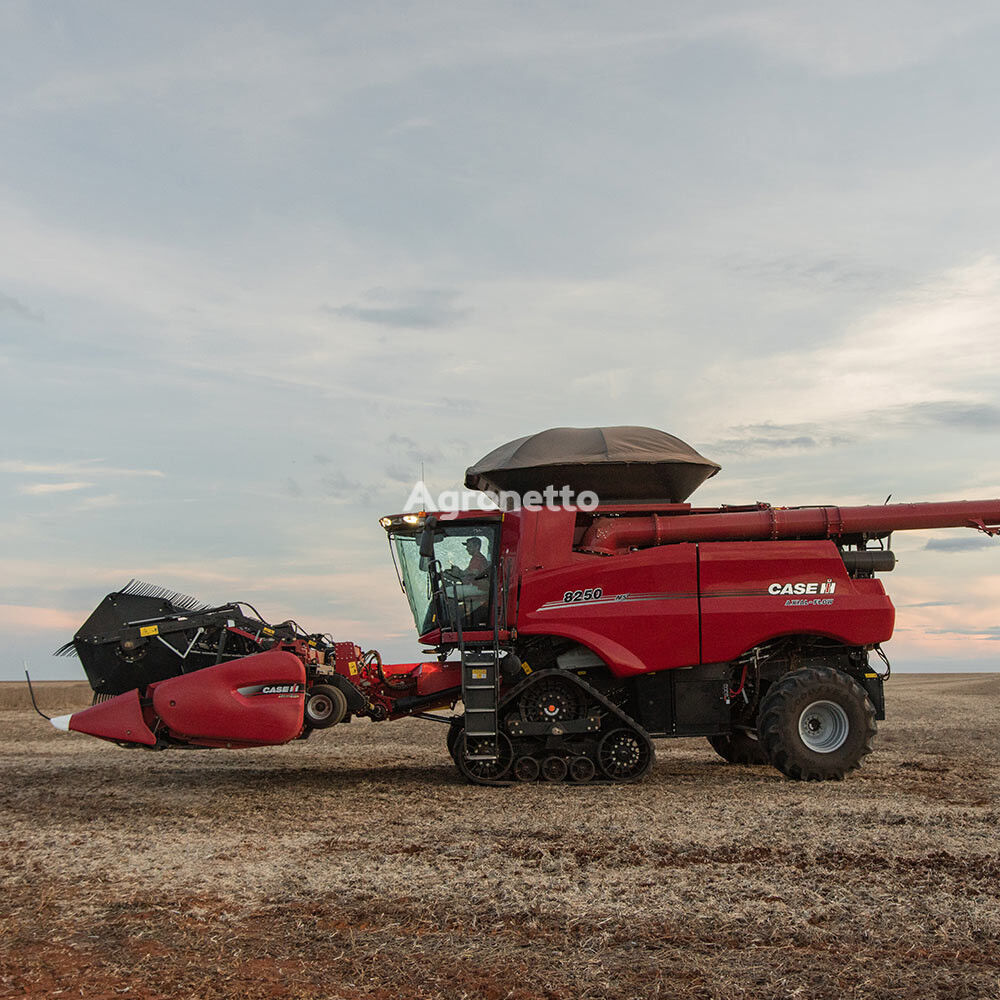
(816,724)
(738,747)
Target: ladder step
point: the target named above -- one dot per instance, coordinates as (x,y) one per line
(480,693)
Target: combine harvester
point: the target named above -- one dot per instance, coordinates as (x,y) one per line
(578,635)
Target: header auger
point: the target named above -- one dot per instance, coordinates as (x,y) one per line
(572,636)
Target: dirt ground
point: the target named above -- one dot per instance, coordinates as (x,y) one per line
(358,864)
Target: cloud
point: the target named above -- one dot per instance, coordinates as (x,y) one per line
(401,441)
(840,272)
(767,437)
(19,617)
(756,439)
(407,457)
(970,543)
(415,310)
(99,502)
(39,489)
(926,356)
(576,217)
(954,413)
(849,39)
(400,474)
(975,633)
(88,467)
(12,307)
(339,487)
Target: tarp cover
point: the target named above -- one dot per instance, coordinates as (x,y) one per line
(619,464)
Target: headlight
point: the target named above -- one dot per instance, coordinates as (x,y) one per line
(412,519)
(386,522)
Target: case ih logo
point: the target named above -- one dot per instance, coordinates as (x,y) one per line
(285,689)
(799,589)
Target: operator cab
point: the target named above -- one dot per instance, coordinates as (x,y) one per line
(447,569)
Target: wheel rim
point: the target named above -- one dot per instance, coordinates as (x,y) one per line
(554,768)
(622,755)
(320,708)
(824,726)
(551,701)
(526,769)
(582,769)
(484,770)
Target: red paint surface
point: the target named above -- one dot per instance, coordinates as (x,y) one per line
(645,619)
(611,534)
(206,707)
(118,719)
(738,612)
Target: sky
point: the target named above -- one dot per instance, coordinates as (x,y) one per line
(262,264)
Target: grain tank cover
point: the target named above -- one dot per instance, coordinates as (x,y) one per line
(619,464)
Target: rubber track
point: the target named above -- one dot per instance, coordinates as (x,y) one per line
(627,722)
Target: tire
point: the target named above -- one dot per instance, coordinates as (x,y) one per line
(554,768)
(484,771)
(739,747)
(526,769)
(455,730)
(816,724)
(326,705)
(624,755)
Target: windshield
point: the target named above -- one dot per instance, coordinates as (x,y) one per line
(465,555)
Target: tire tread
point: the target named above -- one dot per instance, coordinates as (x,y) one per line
(774,711)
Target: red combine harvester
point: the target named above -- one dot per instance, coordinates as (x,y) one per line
(581,632)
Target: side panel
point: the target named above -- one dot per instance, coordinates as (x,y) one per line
(119,718)
(254,700)
(755,591)
(638,611)
(690,701)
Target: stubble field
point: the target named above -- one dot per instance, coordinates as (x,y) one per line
(357,864)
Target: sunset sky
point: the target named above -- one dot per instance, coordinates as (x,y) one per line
(261,264)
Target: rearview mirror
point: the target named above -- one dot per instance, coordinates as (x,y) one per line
(427,542)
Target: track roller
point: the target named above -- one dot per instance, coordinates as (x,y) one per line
(556,727)
(582,769)
(554,768)
(526,769)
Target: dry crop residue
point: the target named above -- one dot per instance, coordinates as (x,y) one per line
(356,864)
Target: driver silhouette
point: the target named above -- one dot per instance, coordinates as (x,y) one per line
(478,563)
